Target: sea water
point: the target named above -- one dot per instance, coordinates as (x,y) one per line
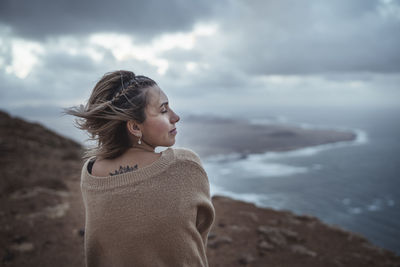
(351,184)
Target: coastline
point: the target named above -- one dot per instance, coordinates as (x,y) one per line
(220,136)
(42,215)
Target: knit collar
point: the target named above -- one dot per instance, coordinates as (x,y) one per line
(93,182)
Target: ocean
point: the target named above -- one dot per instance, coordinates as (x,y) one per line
(354,185)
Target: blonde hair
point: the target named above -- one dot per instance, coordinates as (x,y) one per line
(118,97)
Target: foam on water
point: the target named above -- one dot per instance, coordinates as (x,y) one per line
(373,205)
(260,165)
(252,168)
(260,200)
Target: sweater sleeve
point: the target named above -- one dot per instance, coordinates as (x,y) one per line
(205,209)
(205,218)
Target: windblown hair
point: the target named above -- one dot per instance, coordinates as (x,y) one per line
(119,96)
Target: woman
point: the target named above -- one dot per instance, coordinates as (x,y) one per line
(142,208)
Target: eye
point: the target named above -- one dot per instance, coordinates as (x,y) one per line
(164,111)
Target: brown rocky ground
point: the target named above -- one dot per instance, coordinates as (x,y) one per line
(42,216)
(245,235)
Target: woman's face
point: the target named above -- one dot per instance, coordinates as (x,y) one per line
(159,128)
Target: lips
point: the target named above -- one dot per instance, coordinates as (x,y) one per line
(173,131)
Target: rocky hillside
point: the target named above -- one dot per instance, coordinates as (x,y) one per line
(42,217)
(40,205)
(31,155)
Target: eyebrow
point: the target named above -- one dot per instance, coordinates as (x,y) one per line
(165,103)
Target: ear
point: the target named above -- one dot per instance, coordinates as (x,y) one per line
(134,128)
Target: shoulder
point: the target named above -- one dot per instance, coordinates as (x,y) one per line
(188,157)
(185,154)
(189,161)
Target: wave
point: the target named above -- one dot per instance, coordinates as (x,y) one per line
(260,200)
(373,205)
(253,167)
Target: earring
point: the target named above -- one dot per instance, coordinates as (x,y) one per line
(140,136)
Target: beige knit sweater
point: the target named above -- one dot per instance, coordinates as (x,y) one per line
(159,215)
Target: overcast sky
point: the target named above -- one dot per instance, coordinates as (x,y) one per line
(208,56)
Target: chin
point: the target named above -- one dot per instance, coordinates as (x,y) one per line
(171,143)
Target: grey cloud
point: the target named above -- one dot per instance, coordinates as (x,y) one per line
(57,77)
(146,18)
(5,49)
(61,62)
(180,55)
(336,40)
(214,81)
(62,77)
(289,37)
(14,90)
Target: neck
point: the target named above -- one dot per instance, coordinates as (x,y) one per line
(143,147)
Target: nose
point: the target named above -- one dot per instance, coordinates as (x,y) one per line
(174,118)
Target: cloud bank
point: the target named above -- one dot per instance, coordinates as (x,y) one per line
(211,55)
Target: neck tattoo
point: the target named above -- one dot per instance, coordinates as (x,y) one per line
(124,170)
